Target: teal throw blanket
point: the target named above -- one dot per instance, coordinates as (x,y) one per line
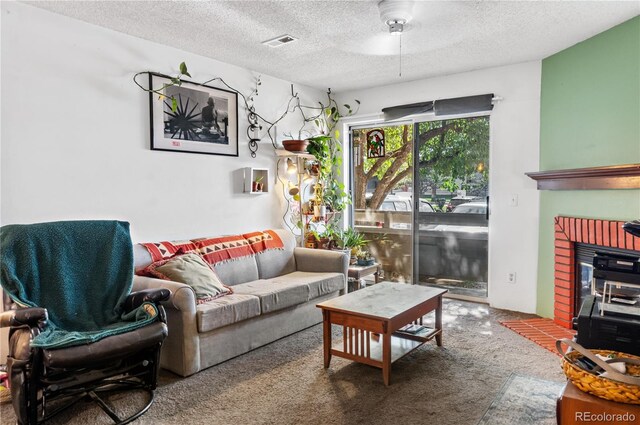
(80,271)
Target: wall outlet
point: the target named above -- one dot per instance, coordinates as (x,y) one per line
(513,201)
(511,277)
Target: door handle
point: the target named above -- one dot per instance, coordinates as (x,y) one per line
(487,213)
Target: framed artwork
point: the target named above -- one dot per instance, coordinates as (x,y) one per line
(375,143)
(205,119)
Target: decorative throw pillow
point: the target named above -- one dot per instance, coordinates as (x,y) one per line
(190,269)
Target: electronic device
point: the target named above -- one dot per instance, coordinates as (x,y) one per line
(618,332)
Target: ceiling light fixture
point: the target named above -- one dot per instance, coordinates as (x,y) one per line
(396,14)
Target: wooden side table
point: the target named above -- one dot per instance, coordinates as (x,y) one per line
(577,407)
(358,272)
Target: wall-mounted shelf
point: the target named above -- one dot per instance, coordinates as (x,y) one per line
(626,176)
(286,153)
(251,175)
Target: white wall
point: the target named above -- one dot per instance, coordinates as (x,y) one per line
(75,139)
(75,135)
(515,126)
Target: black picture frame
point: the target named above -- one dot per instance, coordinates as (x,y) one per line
(206,120)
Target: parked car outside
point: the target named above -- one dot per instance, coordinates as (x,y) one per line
(471,208)
(425,206)
(401,203)
(395,203)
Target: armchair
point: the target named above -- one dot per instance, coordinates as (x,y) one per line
(77,331)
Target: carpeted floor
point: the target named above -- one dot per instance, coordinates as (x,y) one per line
(285,383)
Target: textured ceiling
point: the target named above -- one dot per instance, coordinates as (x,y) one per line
(344,45)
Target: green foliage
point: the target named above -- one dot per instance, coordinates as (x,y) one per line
(327,150)
(335,196)
(183,69)
(452,154)
(319,147)
(451,158)
(350,238)
(174,81)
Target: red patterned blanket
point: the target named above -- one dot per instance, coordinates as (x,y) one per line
(217,250)
(263,241)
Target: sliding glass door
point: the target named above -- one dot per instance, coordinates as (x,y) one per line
(452,186)
(420,196)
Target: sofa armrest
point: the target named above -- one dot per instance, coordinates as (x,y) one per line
(182,297)
(181,350)
(321,260)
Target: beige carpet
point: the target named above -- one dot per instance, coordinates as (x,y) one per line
(285,383)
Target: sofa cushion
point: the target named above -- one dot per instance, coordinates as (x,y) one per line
(226,311)
(191,270)
(319,283)
(237,271)
(275,295)
(277,262)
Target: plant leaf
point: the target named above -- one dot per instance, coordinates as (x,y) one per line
(347,106)
(357,101)
(183,69)
(174,104)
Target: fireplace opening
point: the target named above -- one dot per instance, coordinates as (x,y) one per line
(584,254)
(572,273)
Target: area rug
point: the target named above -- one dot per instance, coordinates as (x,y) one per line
(543,332)
(285,383)
(524,400)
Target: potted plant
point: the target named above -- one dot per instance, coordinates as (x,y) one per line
(365,258)
(311,240)
(354,241)
(319,208)
(322,239)
(257,184)
(296,144)
(350,241)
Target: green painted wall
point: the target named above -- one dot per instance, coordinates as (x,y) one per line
(589,116)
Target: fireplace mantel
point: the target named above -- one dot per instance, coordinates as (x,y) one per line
(626,176)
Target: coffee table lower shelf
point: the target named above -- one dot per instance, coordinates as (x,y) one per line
(357,348)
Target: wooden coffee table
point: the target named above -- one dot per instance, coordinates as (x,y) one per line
(370,320)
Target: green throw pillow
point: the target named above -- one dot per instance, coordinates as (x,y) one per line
(190,269)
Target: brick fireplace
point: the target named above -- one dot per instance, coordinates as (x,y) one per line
(568,232)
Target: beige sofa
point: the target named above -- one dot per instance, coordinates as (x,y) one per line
(275,293)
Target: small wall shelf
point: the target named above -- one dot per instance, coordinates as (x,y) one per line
(250,175)
(286,153)
(625,176)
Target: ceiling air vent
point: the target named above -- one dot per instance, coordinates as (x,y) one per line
(280,41)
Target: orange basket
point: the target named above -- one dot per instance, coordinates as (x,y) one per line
(623,388)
